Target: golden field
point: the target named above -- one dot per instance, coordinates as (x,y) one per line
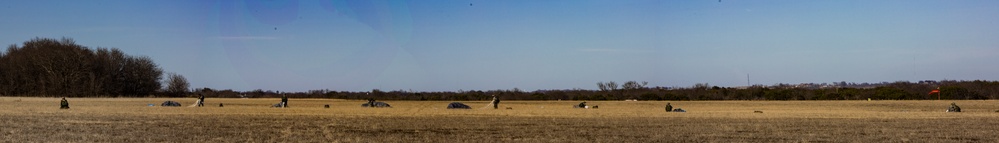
(24,119)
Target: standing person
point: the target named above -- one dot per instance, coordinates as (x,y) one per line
(284,101)
(201,100)
(495,102)
(669,108)
(64,104)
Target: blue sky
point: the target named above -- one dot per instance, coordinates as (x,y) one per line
(454,45)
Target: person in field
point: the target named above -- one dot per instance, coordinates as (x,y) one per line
(284,101)
(954,108)
(669,108)
(495,102)
(582,104)
(64,104)
(201,100)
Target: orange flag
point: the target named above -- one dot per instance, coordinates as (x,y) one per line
(935,91)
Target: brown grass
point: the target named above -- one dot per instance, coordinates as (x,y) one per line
(251,120)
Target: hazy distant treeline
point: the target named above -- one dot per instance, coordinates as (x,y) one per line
(902,90)
(57,68)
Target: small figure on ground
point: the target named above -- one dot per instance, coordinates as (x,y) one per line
(954,108)
(371,102)
(495,102)
(64,104)
(220,104)
(201,100)
(284,101)
(582,105)
(669,108)
(375,104)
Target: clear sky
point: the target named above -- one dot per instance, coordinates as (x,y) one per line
(452,45)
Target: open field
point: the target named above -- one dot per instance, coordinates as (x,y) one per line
(251,120)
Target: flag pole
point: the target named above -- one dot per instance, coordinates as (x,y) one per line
(938,93)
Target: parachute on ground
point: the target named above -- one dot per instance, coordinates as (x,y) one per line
(376,104)
(681,110)
(458,105)
(170,103)
(278,105)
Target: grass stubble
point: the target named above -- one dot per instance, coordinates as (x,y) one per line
(25,119)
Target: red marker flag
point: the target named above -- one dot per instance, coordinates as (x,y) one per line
(935,91)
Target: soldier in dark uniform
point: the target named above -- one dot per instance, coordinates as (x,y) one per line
(371,102)
(495,102)
(284,101)
(201,100)
(953,108)
(669,108)
(64,104)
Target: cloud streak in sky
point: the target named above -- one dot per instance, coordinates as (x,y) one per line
(609,50)
(247,38)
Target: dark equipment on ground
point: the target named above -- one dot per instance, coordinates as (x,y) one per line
(326,106)
(679,110)
(458,105)
(376,104)
(170,103)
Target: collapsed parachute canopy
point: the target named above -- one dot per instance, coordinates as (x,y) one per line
(170,103)
(376,104)
(458,105)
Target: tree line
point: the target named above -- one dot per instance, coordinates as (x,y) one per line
(901,90)
(47,67)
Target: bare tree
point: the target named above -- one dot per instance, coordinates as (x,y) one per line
(176,85)
(602,86)
(612,85)
(701,85)
(633,85)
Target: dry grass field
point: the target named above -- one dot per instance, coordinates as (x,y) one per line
(252,120)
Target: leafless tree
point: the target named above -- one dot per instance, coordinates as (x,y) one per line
(633,85)
(176,84)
